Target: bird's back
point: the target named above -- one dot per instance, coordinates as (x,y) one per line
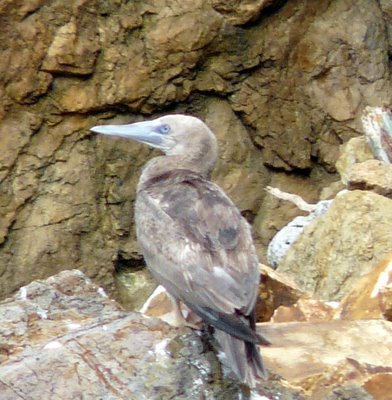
(195,230)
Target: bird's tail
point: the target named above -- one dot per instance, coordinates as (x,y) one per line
(243,358)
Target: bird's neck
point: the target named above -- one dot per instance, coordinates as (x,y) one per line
(161,165)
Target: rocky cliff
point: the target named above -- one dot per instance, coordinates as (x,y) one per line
(282,83)
(63,338)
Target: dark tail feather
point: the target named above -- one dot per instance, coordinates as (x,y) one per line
(239,327)
(243,358)
(238,339)
(255,360)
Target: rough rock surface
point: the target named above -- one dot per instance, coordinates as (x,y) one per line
(317,89)
(293,76)
(348,241)
(275,290)
(370,297)
(275,213)
(329,359)
(284,239)
(372,175)
(132,288)
(356,150)
(305,309)
(64,339)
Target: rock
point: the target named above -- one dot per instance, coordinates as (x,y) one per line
(356,150)
(246,11)
(54,196)
(332,360)
(371,175)
(287,78)
(44,310)
(238,170)
(63,338)
(347,242)
(284,239)
(378,385)
(276,213)
(276,290)
(370,296)
(386,8)
(305,309)
(15,193)
(74,49)
(64,326)
(317,83)
(386,301)
(133,288)
(377,124)
(332,190)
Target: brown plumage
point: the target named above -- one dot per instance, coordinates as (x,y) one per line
(194,239)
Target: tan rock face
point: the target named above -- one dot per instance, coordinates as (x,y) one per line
(305,309)
(356,150)
(275,290)
(317,91)
(64,339)
(73,50)
(371,175)
(239,171)
(328,359)
(370,297)
(275,213)
(243,12)
(336,248)
(281,83)
(386,301)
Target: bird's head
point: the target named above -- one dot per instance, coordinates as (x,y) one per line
(175,135)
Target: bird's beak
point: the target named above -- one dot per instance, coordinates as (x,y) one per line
(144,132)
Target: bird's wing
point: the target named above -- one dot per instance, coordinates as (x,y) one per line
(197,244)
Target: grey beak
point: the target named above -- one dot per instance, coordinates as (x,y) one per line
(144,132)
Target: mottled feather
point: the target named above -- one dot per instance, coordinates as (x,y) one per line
(206,241)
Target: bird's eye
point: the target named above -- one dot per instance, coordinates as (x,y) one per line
(165,129)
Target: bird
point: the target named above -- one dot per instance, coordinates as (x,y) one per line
(194,239)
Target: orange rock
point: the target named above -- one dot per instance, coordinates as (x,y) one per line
(275,290)
(304,310)
(371,297)
(371,175)
(339,358)
(159,305)
(385,301)
(380,386)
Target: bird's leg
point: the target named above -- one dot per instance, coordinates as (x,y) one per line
(178,318)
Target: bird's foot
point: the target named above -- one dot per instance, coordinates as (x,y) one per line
(194,321)
(177,317)
(194,325)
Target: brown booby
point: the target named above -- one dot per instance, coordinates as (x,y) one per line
(194,239)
